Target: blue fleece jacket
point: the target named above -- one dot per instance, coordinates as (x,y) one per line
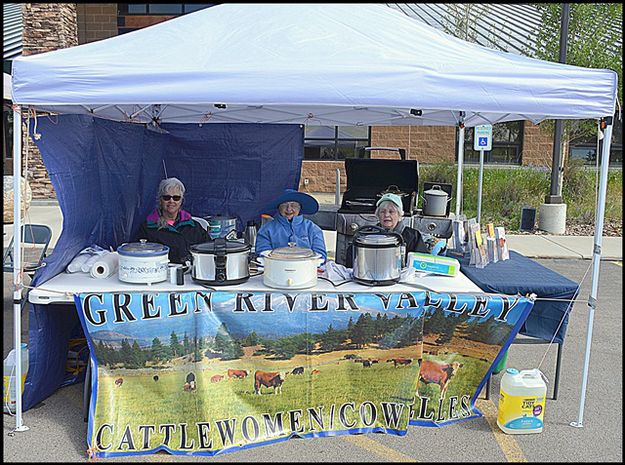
(280,231)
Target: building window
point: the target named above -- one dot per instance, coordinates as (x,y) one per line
(507,145)
(336,142)
(587,149)
(160,8)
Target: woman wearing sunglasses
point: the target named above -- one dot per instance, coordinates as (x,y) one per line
(169,225)
(290,226)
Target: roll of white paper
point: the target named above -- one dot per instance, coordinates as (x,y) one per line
(105,266)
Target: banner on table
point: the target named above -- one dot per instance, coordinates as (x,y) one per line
(464,336)
(203,373)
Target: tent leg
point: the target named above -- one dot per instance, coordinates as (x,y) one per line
(17,265)
(596,262)
(460,165)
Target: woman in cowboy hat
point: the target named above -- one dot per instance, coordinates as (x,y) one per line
(290,226)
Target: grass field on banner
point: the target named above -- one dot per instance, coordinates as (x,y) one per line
(140,400)
(463,383)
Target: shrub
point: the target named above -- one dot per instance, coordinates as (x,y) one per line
(506,190)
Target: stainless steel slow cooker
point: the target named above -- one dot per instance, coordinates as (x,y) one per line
(221,262)
(290,267)
(142,262)
(377,256)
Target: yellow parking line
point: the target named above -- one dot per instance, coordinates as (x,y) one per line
(507,444)
(379,449)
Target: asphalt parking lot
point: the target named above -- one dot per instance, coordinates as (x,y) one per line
(58,434)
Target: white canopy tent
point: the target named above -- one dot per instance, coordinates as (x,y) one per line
(312,64)
(6,89)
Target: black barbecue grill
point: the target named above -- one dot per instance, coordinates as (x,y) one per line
(368,179)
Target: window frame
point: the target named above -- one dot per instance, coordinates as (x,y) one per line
(336,143)
(472,157)
(124,10)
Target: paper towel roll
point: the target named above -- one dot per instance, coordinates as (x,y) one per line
(77,263)
(105,266)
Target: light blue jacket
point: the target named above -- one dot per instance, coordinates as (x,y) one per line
(280,231)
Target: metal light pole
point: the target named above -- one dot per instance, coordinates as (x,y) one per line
(556,187)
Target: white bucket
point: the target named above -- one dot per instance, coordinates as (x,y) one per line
(9,378)
(522,401)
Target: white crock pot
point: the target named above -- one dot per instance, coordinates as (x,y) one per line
(143,262)
(290,267)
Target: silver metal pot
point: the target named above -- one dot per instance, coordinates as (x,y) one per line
(220,262)
(435,202)
(377,256)
(142,262)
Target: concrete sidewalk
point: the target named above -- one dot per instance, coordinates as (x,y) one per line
(530,245)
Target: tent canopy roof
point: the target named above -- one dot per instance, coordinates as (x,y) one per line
(315,64)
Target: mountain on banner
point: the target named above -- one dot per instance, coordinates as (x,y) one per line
(114,339)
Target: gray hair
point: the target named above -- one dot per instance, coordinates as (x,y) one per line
(391,203)
(165,186)
(169,184)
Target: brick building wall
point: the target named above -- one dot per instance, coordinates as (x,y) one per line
(428,144)
(96,21)
(538,146)
(47,27)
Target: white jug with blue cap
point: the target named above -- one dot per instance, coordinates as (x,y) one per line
(522,401)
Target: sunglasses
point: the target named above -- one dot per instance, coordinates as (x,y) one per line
(176,198)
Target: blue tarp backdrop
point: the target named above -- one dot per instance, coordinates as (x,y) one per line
(106,175)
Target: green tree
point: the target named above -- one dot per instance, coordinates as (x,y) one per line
(364,330)
(159,352)
(186,344)
(595,40)
(137,359)
(331,339)
(175,348)
(125,353)
(251,339)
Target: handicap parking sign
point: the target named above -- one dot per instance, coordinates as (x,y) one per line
(483,137)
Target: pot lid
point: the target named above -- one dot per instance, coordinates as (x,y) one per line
(143,248)
(377,239)
(292,252)
(209,247)
(436,190)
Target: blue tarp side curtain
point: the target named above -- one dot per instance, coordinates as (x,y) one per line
(106,175)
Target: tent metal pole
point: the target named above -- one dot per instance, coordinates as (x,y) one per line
(460,165)
(596,262)
(479,187)
(17,265)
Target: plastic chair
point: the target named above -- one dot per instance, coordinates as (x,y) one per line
(36,238)
(202,222)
